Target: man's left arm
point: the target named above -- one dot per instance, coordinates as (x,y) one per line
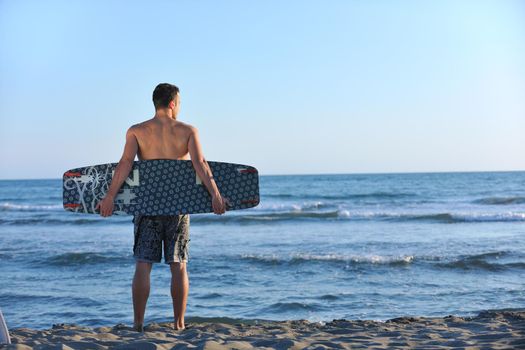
(121,173)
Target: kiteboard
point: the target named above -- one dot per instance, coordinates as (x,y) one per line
(160,187)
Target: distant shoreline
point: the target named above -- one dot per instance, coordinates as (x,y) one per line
(340,174)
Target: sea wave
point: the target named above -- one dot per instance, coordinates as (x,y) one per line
(501,200)
(82,258)
(284,307)
(466,217)
(493,261)
(350,196)
(6,206)
(294,215)
(23,297)
(344,214)
(95,220)
(302,258)
(212,295)
(295,207)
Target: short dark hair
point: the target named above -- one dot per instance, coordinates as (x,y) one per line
(163,94)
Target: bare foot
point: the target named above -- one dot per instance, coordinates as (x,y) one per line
(178,327)
(138,328)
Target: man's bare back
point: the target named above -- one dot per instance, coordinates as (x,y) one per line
(162,139)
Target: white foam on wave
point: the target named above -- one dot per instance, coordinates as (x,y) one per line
(294,207)
(436,216)
(373,259)
(25,207)
(343,213)
(315,211)
(508,216)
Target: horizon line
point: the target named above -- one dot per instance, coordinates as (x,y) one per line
(355,173)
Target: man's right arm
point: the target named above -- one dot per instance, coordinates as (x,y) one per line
(203,171)
(121,173)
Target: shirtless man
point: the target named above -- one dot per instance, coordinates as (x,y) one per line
(162,137)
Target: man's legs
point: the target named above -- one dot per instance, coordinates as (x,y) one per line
(140,290)
(179,292)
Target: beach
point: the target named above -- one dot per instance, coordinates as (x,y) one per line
(493,329)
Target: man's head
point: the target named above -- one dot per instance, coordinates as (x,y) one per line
(166,96)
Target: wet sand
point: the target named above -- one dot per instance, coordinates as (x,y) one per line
(493,329)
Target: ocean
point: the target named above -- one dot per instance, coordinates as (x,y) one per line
(318,247)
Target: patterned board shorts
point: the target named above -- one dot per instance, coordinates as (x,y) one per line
(152,232)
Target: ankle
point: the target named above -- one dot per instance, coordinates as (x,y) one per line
(178,325)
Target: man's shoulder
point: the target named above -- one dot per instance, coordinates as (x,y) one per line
(139,126)
(187,127)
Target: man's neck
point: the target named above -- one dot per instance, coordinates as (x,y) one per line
(163,115)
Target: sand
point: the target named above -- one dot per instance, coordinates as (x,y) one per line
(493,329)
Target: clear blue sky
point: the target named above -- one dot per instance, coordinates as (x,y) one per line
(287,86)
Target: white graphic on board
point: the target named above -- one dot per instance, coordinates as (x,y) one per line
(135,181)
(84,179)
(93,180)
(125,196)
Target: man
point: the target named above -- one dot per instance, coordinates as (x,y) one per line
(162,137)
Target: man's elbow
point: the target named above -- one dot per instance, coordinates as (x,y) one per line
(199,164)
(126,162)
(198,160)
